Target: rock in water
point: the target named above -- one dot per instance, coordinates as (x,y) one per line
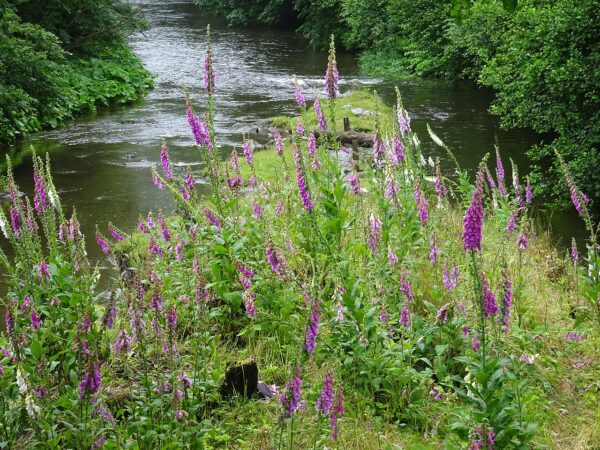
(240,380)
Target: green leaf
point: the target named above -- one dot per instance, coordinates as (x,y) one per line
(36,349)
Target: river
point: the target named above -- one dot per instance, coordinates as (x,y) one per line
(101,162)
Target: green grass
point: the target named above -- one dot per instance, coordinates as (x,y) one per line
(361,98)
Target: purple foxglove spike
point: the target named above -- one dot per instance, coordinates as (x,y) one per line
(473,220)
(326,396)
(278,142)
(164,160)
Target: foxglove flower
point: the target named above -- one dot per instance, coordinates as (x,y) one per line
(302,187)
(109,317)
(575,337)
(400,156)
(154,249)
(209,73)
(574,252)
(421,202)
(248,152)
(190,181)
(35,319)
(440,189)
(164,160)
(353,181)
(8,321)
(489,306)
(278,142)
(473,220)
(200,136)
(300,100)
(528,193)
(184,193)
(579,198)
(405,317)
(500,173)
(274,260)
(522,241)
(164,228)
(290,399)
(300,129)
(319,114)
(511,224)
(257,210)
(392,258)
(39,196)
(326,396)
(157,181)
(332,78)
(378,150)
(506,285)
(406,288)
(338,408)
(450,279)
(279,208)
(375,227)
(312,330)
(15,221)
(433,251)
(442,314)
(213,219)
(312,145)
(43,271)
(490,179)
(172,317)
(122,343)
(339,312)
(391,190)
(475,344)
(115,233)
(403,119)
(248,273)
(249,298)
(383,315)
(102,243)
(91,381)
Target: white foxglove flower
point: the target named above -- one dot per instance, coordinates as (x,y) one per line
(21,382)
(434,137)
(32,409)
(52,197)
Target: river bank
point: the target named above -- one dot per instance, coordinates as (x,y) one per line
(64,64)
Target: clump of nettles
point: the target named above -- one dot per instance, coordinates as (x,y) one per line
(353,279)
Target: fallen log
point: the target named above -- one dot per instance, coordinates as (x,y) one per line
(348,137)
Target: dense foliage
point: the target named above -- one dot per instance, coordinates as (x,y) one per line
(374,311)
(59,58)
(542,59)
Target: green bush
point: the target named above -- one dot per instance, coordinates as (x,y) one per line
(45,79)
(547,77)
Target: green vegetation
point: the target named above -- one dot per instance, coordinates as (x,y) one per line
(61,58)
(384,305)
(362,107)
(542,57)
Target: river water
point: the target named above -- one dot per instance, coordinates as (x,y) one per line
(101,163)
